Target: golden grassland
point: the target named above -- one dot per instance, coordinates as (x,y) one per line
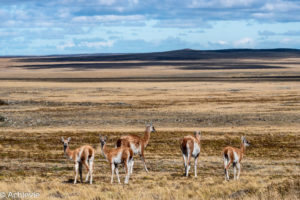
(36,114)
(266,172)
(18,68)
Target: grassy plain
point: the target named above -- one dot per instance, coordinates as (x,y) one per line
(35,114)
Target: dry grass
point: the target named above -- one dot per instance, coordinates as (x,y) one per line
(264,168)
(128,106)
(36,114)
(12,68)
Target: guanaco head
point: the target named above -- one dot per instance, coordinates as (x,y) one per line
(65,142)
(197,135)
(150,128)
(244,141)
(102,140)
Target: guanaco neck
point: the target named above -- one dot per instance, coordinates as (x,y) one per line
(198,139)
(243,148)
(69,153)
(147,136)
(104,150)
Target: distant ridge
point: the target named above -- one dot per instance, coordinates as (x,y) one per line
(182,54)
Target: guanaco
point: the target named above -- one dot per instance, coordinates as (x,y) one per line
(116,156)
(137,144)
(190,147)
(234,155)
(83,155)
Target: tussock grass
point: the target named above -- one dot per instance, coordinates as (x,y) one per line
(51,174)
(39,114)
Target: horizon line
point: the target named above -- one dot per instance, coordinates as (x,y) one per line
(108,54)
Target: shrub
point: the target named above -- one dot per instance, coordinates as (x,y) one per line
(2,119)
(2,102)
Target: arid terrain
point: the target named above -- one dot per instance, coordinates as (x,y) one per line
(39,104)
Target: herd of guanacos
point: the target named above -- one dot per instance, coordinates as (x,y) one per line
(127,146)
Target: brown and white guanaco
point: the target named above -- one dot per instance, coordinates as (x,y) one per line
(83,155)
(136,143)
(116,156)
(190,147)
(234,155)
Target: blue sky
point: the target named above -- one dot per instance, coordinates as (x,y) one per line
(38,27)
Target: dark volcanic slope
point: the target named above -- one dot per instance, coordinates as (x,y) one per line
(185,54)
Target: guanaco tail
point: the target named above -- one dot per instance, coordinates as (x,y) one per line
(83,155)
(137,144)
(234,155)
(190,147)
(116,156)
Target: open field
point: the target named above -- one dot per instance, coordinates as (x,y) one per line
(34,114)
(181,65)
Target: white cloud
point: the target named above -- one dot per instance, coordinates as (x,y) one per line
(106,2)
(263,15)
(221,42)
(177,23)
(244,43)
(134,1)
(279,6)
(2,12)
(108,18)
(10,23)
(88,44)
(21,14)
(97,44)
(66,45)
(233,3)
(220,3)
(63,13)
(286,40)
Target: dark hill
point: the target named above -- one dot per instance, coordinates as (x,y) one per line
(184,54)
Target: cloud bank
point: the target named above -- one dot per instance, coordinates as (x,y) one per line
(34,27)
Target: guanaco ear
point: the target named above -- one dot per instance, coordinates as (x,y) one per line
(69,138)
(242,138)
(105,138)
(197,133)
(62,139)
